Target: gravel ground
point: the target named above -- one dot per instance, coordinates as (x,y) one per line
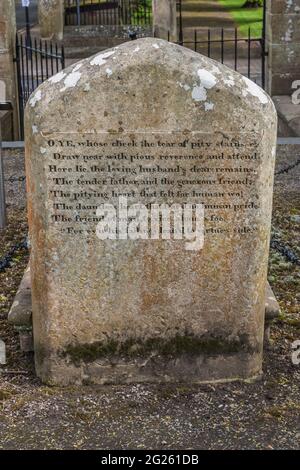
(260,415)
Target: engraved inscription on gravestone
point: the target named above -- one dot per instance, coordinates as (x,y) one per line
(218,171)
(119,298)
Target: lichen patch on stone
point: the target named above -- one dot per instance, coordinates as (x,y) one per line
(71,80)
(100,59)
(199,93)
(289,32)
(229,81)
(215,69)
(185,86)
(35,98)
(207,79)
(255,90)
(208,106)
(77,67)
(57,77)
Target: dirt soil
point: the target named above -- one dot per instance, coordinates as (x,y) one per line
(260,415)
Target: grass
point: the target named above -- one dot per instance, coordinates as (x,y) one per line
(139,14)
(245,18)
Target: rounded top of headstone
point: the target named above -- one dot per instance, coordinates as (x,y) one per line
(148,84)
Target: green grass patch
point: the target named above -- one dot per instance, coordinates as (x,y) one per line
(245,18)
(142,13)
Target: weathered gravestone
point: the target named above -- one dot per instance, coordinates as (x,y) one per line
(155,123)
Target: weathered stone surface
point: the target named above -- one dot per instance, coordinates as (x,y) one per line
(20,314)
(272,306)
(8,80)
(283,6)
(26,340)
(289,113)
(282,83)
(283,45)
(2,352)
(283,29)
(164,19)
(149,310)
(285,59)
(6,125)
(51,18)
(272,312)
(20,311)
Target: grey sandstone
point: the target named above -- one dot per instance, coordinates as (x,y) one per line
(127,310)
(20,314)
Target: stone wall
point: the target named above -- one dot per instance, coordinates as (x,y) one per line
(51,18)
(283,45)
(8,90)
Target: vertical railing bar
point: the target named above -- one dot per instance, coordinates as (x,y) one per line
(249,52)
(235,49)
(130,13)
(78,12)
(56,57)
(31,64)
(41,61)
(180,24)
(22,66)
(51,58)
(20,93)
(3,215)
(222,45)
(208,42)
(27,68)
(36,63)
(46,57)
(263,47)
(62,56)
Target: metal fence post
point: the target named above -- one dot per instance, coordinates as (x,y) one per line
(263,46)
(2,191)
(19,88)
(180,36)
(78,12)
(27,25)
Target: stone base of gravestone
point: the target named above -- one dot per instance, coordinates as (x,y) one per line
(20,314)
(114,298)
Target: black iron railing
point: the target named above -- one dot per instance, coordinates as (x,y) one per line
(36,61)
(246,55)
(242,54)
(108,12)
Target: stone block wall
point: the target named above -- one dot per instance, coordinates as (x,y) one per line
(283,45)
